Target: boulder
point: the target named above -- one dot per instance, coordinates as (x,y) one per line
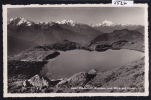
(92,72)
(38,80)
(26,83)
(52,55)
(54,82)
(77,80)
(62,84)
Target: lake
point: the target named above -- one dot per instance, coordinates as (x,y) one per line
(74,61)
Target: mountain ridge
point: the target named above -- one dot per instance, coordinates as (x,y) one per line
(24,32)
(41,33)
(70,22)
(118,39)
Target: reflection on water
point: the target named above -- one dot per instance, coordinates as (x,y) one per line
(71,62)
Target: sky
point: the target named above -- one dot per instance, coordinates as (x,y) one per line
(85,15)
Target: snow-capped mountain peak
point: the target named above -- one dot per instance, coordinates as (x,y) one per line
(111,24)
(20,20)
(11,19)
(44,23)
(105,23)
(68,22)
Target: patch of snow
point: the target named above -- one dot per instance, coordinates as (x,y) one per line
(68,22)
(109,23)
(22,20)
(29,24)
(11,19)
(44,23)
(105,23)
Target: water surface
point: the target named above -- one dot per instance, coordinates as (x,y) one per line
(74,61)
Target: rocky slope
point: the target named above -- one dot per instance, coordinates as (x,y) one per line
(128,78)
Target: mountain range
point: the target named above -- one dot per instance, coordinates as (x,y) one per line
(109,27)
(23,34)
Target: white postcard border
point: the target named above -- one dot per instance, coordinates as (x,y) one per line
(5,84)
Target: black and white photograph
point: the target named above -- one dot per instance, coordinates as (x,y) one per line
(75,50)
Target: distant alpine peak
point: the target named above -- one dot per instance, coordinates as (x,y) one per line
(105,23)
(20,20)
(17,18)
(68,22)
(109,23)
(45,23)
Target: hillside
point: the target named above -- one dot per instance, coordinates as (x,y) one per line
(127,78)
(128,39)
(38,53)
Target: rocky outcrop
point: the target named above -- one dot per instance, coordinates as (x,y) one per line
(92,72)
(118,45)
(62,84)
(26,83)
(51,56)
(37,81)
(78,79)
(66,45)
(102,47)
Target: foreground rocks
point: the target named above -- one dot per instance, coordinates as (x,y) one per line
(37,80)
(130,76)
(78,79)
